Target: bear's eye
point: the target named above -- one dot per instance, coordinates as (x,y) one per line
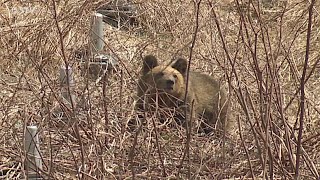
(160,74)
(175,76)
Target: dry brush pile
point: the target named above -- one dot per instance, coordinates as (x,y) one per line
(266,53)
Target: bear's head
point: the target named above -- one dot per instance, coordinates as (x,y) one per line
(169,79)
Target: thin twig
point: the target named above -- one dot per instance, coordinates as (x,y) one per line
(302,91)
(188,117)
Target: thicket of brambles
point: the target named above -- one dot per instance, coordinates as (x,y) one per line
(265,52)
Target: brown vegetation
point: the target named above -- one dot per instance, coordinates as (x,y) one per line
(267,53)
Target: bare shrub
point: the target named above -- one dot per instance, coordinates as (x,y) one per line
(266,52)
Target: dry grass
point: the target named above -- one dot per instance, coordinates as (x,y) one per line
(258,50)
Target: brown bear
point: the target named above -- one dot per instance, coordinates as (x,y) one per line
(162,86)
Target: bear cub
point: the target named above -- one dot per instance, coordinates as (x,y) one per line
(164,86)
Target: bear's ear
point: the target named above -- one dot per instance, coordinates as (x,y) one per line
(181,65)
(149,62)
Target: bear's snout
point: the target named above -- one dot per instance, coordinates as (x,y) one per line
(170,84)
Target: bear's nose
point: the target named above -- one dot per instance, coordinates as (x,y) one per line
(170,84)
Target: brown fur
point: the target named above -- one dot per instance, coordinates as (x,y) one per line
(166,85)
